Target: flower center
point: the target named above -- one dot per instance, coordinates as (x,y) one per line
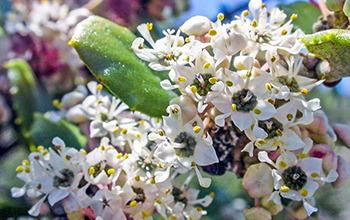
(272,127)
(188,142)
(98,168)
(146,164)
(294,177)
(140,195)
(244,100)
(292,83)
(64,181)
(201,82)
(179,196)
(264,37)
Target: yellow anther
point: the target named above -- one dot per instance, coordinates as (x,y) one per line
(279,132)
(133,204)
(221,16)
(55,102)
(229,83)
(294,16)
(315,175)
(182,79)
(38,186)
(213,80)
(167,191)
(245,13)
(99,87)
(261,142)
(149,26)
(273,59)
(212,32)
(57,147)
(70,43)
(160,165)
(257,111)
(103,147)
(110,171)
(25,162)
(206,66)
(138,136)
(40,148)
(187,58)
(157,120)
(302,54)
(153,181)
(99,101)
(197,129)
(190,218)
(263,5)
(285,189)
(282,164)
(37,157)
(284,32)
(173,217)
(117,129)
(194,89)
(193,164)
(268,86)
(161,132)
(137,178)
(68,157)
(142,122)
(92,171)
(290,117)
(212,195)
(233,107)
(254,23)
(187,40)
(304,91)
(249,73)
(140,47)
(199,209)
(271,101)
(84,152)
(302,155)
(325,76)
(19,169)
(120,155)
(27,170)
(126,156)
(124,131)
(175,110)
(145,214)
(304,192)
(169,56)
(158,201)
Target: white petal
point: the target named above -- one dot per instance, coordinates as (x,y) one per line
(203,182)
(35,210)
(249,148)
(310,209)
(57,195)
(205,154)
(242,120)
(331,177)
(264,158)
(18,192)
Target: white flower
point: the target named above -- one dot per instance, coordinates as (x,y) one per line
(197,26)
(297,179)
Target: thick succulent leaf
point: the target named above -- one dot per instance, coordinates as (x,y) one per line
(334,47)
(105,48)
(27,95)
(307,15)
(44,130)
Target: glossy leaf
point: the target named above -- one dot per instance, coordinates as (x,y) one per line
(307,15)
(44,130)
(105,48)
(334,47)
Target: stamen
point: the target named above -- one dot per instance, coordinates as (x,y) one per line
(290,117)
(293,17)
(257,111)
(213,80)
(285,189)
(304,91)
(158,201)
(206,66)
(99,87)
(145,214)
(268,86)
(194,89)
(233,107)
(221,16)
(133,204)
(302,156)
(120,155)
(19,169)
(197,129)
(284,32)
(137,178)
(149,26)
(124,131)
(282,164)
(254,23)
(229,83)
(92,171)
(182,79)
(161,132)
(212,32)
(304,192)
(111,171)
(315,175)
(245,13)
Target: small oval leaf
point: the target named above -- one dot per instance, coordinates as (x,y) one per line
(105,48)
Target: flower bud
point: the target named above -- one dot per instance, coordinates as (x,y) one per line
(343,171)
(256,213)
(325,152)
(76,115)
(197,25)
(72,99)
(343,132)
(258,181)
(318,126)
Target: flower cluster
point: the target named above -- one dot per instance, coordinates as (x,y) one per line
(242,102)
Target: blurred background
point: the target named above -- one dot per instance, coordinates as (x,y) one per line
(56,75)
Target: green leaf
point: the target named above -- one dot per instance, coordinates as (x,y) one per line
(334,47)
(27,95)
(105,48)
(44,130)
(307,15)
